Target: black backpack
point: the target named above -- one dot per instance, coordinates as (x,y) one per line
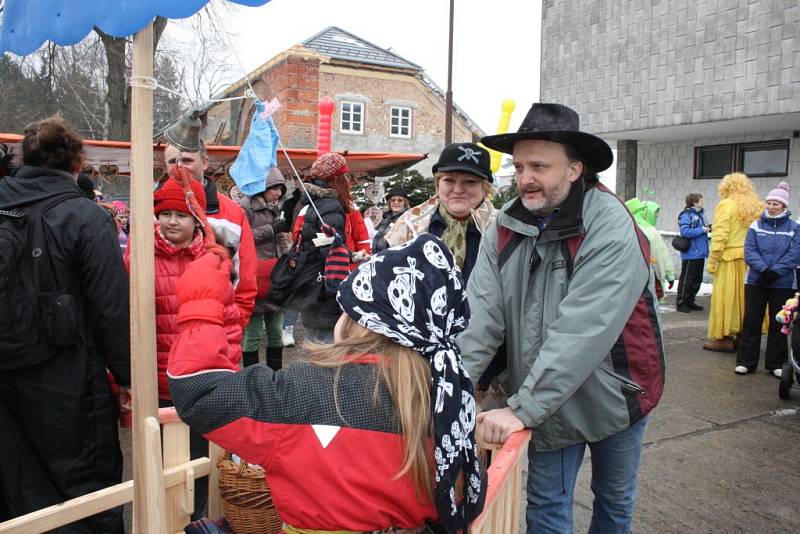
(36,316)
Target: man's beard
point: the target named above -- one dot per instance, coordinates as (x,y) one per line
(551,198)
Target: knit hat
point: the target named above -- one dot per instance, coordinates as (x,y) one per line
(172,197)
(414,295)
(780,194)
(329,165)
(120,206)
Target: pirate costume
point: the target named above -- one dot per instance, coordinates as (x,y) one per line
(333,465)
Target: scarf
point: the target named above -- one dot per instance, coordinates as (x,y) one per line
(414,295)
(455,235)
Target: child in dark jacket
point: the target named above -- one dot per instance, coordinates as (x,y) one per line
(344,437)
(772,252)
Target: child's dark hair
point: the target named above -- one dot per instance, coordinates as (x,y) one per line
(692,199)
(52,143)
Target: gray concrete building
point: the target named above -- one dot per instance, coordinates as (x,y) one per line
(687,90)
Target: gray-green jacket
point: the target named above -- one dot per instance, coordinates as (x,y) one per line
(581,323)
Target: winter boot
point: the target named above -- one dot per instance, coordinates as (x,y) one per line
(720,345)
(250,358)
(274,357)
(288,336)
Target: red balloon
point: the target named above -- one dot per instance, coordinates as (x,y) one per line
(324,125)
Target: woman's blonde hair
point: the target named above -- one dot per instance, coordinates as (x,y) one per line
(406,375)
(738,187)
(486,185)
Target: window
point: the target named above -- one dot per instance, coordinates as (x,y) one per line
(400,122)
(765,159)
(713,162)
(762,159)
(351,118)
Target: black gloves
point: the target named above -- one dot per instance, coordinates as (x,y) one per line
(280,226)
(766,278)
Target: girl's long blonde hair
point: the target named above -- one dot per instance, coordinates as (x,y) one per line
(406,375)
(738,187)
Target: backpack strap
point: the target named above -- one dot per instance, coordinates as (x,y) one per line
(569,250)
(507,242)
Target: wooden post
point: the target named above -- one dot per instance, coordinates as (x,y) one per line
(143,327)
(215,511)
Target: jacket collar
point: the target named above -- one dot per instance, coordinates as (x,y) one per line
(420,216)
(320,189)
(566,223)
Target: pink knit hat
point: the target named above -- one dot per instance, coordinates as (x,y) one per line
(780,194)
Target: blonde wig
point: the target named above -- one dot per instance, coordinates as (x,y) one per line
(738,187)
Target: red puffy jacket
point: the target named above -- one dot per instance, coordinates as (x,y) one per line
(170,262)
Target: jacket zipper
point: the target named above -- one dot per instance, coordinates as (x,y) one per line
(630,385)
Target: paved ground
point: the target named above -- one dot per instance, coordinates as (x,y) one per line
(722,452)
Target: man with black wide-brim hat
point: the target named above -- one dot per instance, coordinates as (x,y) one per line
(564,279)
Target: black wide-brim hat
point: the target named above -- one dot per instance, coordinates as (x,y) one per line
(559,124)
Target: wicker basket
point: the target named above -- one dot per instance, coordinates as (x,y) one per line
(246,498)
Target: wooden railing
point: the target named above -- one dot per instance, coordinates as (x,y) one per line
(170,499)
(504,493)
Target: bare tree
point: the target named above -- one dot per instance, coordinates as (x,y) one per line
(118,93)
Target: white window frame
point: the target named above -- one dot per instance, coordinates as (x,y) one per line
(347,127)
(399,118)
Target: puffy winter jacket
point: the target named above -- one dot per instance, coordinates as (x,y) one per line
(773,243)
(170,263)
(262,217)
(576,306)
(229,219)
(691,223)
(306,227)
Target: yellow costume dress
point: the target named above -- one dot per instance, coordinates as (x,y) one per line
(726,264)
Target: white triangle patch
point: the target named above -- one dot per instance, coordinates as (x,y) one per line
(325,433)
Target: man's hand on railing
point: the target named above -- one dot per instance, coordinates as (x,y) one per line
(495,426)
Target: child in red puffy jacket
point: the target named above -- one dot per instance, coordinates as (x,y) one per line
(178,241)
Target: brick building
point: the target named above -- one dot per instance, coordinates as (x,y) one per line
(384,103)
(688,90)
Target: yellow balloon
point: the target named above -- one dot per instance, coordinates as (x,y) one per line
(506,109)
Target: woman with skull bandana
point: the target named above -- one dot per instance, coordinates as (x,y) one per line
(345,428)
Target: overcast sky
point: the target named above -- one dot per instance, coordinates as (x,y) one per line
(496,44)
(496,49)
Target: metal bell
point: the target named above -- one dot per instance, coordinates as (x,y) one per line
(185,134)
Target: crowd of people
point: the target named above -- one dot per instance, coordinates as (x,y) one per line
(753,254)
(409,316)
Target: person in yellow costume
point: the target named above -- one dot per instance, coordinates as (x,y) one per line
(739,206)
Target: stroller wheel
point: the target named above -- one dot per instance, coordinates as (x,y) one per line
(787,377)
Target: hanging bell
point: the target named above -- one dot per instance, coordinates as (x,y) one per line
(185,133)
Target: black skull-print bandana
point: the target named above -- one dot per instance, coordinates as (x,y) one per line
(414,295)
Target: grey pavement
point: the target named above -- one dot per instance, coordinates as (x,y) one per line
(721,454)
(722,451)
